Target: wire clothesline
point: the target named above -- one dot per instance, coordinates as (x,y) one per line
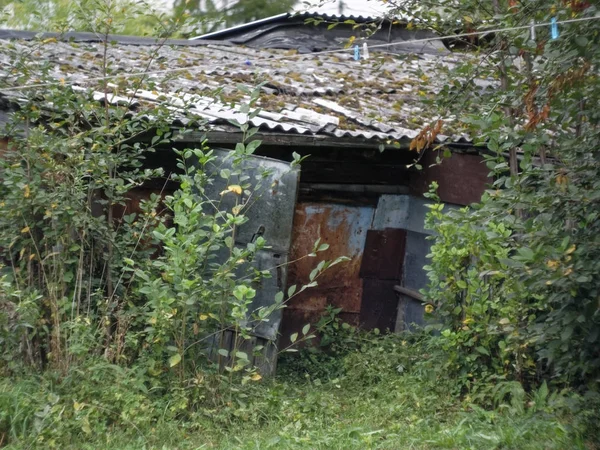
(325,52)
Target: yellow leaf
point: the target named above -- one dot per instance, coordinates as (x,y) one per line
(203,317)
(235,188)
(571,249)
(49,40)
(409,26)
(468,19)
(561,180)
(25,230)
(174,360)
(568,272)
(31,256)
(26,192)
(256,377)
(77,406)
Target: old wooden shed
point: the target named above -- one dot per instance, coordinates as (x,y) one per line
(360,189)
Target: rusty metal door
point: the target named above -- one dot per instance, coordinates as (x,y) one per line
(344,228)
(381,270)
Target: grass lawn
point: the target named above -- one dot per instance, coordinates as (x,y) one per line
(397,413)
(365,399)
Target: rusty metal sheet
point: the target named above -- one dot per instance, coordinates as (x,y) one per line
(384,254)
(462,178)
(344,228)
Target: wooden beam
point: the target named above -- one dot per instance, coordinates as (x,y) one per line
(409,292)
(285,139)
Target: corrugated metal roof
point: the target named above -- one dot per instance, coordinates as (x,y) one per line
(389,97)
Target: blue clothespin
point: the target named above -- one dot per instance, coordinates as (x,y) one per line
(248,63)
(554,28)
(356,53)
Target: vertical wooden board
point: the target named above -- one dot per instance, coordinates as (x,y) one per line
(379,306)
(225,341)
(247,346)
(383,256)
(266,362)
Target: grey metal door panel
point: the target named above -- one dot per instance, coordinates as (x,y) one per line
(271,208)
(271,214)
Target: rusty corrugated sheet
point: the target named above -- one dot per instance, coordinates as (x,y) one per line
(344,228)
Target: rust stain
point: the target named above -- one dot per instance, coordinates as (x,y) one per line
(344,228)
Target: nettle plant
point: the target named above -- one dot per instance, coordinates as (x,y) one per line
(82,276)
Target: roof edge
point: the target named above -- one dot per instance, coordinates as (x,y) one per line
(72,36)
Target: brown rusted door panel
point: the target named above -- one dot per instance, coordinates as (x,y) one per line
(381,270)
(380,305)
(384,254)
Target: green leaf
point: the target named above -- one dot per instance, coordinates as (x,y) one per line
(525,253)
(174,360)
(291,290)
(223,352)
(293,337)
(305,329)
(483,350)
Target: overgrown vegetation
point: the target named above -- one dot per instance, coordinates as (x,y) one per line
(113,317)
(514,278)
